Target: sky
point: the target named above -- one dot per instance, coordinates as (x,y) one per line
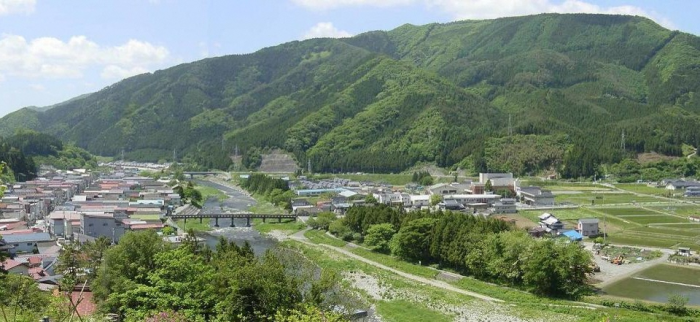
(53,50)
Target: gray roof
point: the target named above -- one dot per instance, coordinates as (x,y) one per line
(25,238)
(588,220)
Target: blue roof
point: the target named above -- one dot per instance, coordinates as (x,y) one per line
(26,238)
(573,235)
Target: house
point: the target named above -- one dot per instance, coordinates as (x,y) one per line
(101,224)
(60,220)
(505,206)
(15,267)
(693,191)
(300,202)
(419,201)
(550,223)
(681,184)
(684,251)
(451,204)
(26,243)
(588,226)
(536,196)
(499,181)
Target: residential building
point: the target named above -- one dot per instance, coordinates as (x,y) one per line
(681,184)
(536,196)
(588,226)
(99,224)
(27,242)
(693,191)
(15,267)
(550,223)
(505,206)
(419,201)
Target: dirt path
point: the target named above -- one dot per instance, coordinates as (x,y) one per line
(299,236)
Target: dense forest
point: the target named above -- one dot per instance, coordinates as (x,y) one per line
(24,151)
(486,248)
(525,94)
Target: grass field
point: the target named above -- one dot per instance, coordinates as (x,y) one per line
(320,237)
(673,273)
(592,199)
(209,192)
(272,224)
(194,224)
(642,188)
(393,179)
(680,210)
(395,311)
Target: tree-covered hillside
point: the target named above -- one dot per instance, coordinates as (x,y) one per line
(444,93)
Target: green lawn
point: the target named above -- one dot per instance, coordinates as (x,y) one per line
(265,207)
(680,210)
(627,211)
(672,273)
(396,263)
(272,224)
(642,188)
(320,237)
(640,240)
(404,311)
(646,219)
(393,179)
(194,224)
(662,229)
(209,192)
(588,199)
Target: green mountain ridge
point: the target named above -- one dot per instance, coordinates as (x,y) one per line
(384,100)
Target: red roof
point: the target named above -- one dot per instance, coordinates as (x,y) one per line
(37,273)
(9,264)
(34,260)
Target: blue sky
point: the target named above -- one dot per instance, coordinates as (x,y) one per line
(52,50)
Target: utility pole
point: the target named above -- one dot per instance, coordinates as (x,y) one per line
(622,142)
(174,155)
(510,129)
(222,142)
(122,154)
(308,165)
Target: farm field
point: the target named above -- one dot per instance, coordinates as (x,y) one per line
(680,210)
(604,198)
(642,188)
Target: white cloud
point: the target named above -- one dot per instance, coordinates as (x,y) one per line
(48,57)
(37,87)
(116,72)
(325,30)
(16,6)
(2,78)
(488,9)
(332,4)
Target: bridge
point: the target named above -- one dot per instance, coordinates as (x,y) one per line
(233,216)
(199,173)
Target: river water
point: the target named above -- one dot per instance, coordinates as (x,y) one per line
(236,201)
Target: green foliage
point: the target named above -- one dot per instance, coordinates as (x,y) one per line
(423,178)
(378,237)
(486,248)
(383,101)
(143,278)
(273,190)
(435,199)
(677,303)
(189,193)
(322,221)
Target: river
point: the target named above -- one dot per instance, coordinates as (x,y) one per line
(236,201)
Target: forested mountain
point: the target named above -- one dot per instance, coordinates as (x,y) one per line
(446,93)
(24,151)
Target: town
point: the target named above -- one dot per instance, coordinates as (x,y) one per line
(39,217)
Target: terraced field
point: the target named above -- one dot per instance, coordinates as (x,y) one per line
(605,198)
